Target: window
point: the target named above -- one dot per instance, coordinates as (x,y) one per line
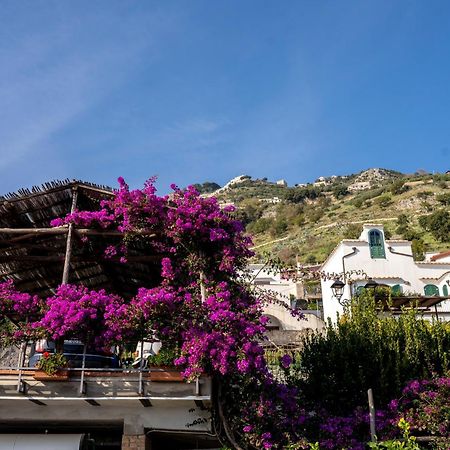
(396,289)
(445,290)
(431,290)
(376,244)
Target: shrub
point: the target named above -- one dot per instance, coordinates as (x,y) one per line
(444,199)
(340,191)
(366,351)
(424,194)
(384,200)
(311,259)
(424,404)
(315,214)
(207,187)
(418,249)
(398,187)
(300,194)
(50,363)
(438,224)
(260,226)
(352,231)
(279,227)
(408,442)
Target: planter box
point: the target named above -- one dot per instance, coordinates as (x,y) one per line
(164,374)
(60,375)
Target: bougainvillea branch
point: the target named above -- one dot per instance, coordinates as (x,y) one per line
(199,306)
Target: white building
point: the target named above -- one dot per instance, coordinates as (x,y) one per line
(285,291)
(389,263)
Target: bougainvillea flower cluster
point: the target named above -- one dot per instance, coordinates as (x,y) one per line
(199,305)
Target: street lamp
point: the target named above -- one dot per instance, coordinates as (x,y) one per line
(371,284)
(338,289)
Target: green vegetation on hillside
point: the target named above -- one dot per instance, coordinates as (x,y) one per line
(308,221)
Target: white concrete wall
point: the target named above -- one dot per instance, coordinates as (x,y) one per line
(288,322)
(394,269)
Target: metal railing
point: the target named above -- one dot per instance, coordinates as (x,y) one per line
(140,372)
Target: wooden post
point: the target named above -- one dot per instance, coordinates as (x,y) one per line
(373,434)
(59,343)
(65,277)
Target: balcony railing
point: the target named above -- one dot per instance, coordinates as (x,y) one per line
(97,385)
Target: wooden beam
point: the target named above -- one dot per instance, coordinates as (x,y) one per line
(65,229)
(60,258)
(33,231)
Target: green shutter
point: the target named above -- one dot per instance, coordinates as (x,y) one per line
(431,290)
(445,291)
(396,289)
(376,244)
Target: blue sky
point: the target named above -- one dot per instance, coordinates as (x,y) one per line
(208,90)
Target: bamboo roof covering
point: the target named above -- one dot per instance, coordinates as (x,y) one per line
(412,301)
(32,253)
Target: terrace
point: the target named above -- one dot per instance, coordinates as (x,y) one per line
(38,257)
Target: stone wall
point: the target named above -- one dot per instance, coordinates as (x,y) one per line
(136,442)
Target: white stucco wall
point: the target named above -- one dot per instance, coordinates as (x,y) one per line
(396,268)
(282,289)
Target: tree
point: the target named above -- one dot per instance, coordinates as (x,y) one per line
(352,231)
(398,187)
(340,191)
(418,249)
(439,225)
(207,187)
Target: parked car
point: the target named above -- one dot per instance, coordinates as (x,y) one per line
(73,352)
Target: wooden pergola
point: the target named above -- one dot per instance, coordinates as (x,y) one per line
(38,257)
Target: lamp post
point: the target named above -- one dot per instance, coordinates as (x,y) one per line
(338,291)
(371,284)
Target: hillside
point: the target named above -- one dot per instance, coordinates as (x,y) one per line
(307,221)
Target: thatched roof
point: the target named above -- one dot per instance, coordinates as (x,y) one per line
(35,260)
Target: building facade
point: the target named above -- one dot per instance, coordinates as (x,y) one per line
(389,263)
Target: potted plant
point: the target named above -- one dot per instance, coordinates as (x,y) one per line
(49,368)
(162,367)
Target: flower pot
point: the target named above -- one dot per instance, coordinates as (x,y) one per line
(60,375)
(164,373)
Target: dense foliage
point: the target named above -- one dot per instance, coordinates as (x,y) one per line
(364,351)
(200,307)
(210,322)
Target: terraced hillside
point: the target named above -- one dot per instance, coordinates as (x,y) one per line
(307,221)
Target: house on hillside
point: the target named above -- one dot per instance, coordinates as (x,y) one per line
(388,263)
(284,290)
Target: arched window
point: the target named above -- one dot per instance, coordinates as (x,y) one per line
(445,290)
(376,244)
(431,290)
(396,289)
